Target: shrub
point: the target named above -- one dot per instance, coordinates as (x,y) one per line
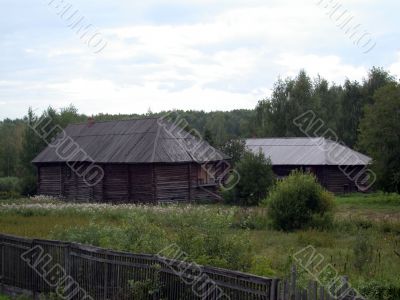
(363,251)
(261,266)
(299,201)
(137,236)
(245,218)
(9,188)
(9,184)
(212,248)
(256,178)
(29,185)
(378,290)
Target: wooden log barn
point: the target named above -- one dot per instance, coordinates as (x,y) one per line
(147,160)
(337,167)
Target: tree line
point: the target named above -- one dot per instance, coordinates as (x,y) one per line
(364,115)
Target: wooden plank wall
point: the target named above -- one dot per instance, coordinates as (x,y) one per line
(49,178)
(331,177)
(116,179)
(337,182)
(123,183)
(172,182)
(141,184)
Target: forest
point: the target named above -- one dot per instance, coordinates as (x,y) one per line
(364,115)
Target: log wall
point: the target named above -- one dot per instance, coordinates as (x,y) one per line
(124,183)
(331,177)
(49,180)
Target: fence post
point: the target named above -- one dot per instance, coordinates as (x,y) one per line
(67,264)
(105,276)
(344,288)
(274,289)
(2,265)
(314,290)
(293,283)
(321,293)
(34,279)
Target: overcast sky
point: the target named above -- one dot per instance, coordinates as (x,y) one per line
(182,54)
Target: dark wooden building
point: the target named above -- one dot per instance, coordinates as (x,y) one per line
(338,168)
(148,160)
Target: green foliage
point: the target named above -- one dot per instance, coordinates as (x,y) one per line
(261,265)
(138,236)
(9,184)
(148,288)
(245,218)
(235,149)
(379,136)
(363,251)
(256,179)
(375,199)
(297,201)
(210,247)
(197,231)
(379,290)
(10,188)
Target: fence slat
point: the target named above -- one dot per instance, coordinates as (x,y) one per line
(107,274)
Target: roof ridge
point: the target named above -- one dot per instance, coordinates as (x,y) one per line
(122,120)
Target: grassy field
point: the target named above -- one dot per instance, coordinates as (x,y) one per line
(362,242)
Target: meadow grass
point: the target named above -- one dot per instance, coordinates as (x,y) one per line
(361,243)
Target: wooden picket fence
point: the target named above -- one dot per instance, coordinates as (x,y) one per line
(85,272)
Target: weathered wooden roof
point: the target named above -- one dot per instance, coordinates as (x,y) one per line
(307,151)
(129,141)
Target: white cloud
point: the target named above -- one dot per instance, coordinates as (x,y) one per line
(92,96)
(330,67)
(394,68)
(228,58)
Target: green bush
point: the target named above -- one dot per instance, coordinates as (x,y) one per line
(378,290)
(245,218)
(256,179)
(138,236)
(210,247)
(299,201)
(29,186)
(363,251)
(10,187)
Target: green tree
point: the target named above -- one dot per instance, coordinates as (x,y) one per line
(235,148)
(256,179)
(380,136)
(208,137)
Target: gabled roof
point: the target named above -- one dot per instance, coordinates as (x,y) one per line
(131,141)
(307,151)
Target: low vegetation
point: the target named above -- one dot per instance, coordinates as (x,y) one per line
(362,241)
(299,201)
(10,187)
(256,179)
